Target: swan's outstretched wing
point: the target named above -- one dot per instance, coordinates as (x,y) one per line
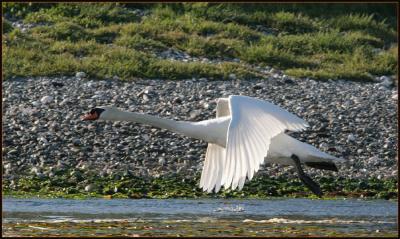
(215,156)
(253,123)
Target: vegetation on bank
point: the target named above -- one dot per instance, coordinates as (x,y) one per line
(322,41)
(73,184)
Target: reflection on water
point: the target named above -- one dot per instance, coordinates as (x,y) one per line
(204,217)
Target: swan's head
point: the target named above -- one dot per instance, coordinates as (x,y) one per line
(100,113)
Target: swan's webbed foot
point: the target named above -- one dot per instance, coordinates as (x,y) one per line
(313,186)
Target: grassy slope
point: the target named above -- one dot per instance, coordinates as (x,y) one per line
(351,41)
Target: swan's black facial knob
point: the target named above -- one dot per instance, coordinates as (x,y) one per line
(94,114)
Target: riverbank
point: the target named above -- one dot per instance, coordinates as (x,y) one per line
(47,147)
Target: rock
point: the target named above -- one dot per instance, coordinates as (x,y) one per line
(145,98)
(76,142)
(194,114)
(288,81)
(383,88)
(386,81)
(351,138)
(90,188)
(46,99)
(7,166)
(43,139)
(80,75)
(323,145)
(177,100)
(148,89)
(146,137)
(13,151)
(57,84)
(257,87)
(35,170)
(36,103)
(161,160)
(276,76)
(232,76)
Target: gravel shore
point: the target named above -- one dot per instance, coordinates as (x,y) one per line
(42,130)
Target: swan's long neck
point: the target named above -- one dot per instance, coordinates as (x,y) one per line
(175,126)
(212,131)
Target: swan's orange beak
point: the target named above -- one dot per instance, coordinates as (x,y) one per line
(90,116)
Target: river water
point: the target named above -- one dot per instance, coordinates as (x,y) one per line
(199,217)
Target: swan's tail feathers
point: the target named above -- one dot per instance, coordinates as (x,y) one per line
(338,160)
(319,156)
(211,175)
(322,165)
(323,161)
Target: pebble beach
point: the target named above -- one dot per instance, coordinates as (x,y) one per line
(43,132)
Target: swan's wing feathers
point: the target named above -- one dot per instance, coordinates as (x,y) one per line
(253,124)
(213,168)
(245,106)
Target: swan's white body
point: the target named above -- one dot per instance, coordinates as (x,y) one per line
(245,132)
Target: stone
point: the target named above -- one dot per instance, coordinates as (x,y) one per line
(232,76)
(386,81)
(76,142)
(90,188)
(80,75)
(351,138)
(46,99)
(161,160)
(146,137)
(257,87)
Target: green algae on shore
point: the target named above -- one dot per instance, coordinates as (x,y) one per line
(66,185)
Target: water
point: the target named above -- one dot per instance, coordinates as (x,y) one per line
(204,217)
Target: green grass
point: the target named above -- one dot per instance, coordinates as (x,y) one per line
(321,41)
(7,27)
(70,184)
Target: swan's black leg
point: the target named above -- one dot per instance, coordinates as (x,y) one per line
(313,186)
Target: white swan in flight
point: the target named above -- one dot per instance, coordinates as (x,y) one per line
(245,132)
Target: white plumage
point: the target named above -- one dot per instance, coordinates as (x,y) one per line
(256,130)
(245,132)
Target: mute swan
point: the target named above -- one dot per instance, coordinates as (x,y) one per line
(245,131)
